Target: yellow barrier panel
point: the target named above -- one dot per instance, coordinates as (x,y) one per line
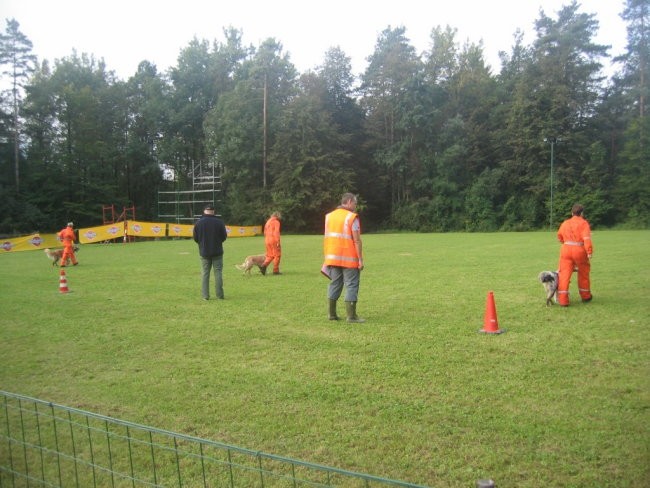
(146,229)
(101,233)
(31,242)
(180,230)
(90,235)
(244,230)
(185,230)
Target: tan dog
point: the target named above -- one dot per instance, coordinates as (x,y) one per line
(251,261)
(56,254)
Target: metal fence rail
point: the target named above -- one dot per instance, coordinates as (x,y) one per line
(50,445)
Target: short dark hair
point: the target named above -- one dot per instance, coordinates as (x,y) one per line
(577,209)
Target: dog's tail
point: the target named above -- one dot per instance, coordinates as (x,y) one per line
(240,267)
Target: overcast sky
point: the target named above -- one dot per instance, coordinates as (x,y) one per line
(125,32)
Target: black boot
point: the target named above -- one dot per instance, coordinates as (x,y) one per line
(333,315)
(263,270)
(351,309)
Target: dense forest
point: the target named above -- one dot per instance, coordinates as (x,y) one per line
(431,142)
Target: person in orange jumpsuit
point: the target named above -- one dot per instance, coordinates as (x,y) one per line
(272,242)
(575,236)
(66,235)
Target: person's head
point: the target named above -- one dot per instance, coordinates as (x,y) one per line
(209,210)
(70,224)
(277,215)
(349,201)
(577,209)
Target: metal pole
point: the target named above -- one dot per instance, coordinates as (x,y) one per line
(552,159)
(552,141)
(264,109)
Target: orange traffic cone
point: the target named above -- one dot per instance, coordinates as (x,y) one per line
(490,323)
(63,283)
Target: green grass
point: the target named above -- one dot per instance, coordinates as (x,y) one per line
(416,393)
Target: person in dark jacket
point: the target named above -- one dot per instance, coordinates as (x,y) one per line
(210,233)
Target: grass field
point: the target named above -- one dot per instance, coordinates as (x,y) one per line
(416,393)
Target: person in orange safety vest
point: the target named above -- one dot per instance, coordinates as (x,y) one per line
(66,235)
(575,236)
(343,257)
(272,242)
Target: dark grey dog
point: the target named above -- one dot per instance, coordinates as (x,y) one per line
(549,280)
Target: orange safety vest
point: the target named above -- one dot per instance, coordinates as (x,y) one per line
(339,245)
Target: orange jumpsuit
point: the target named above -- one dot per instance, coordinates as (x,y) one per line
(575,236)
(272,242)
(68,238)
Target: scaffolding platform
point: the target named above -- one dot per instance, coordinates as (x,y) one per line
(186,206)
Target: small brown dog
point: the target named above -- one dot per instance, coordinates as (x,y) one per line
(251,261)
(56,254)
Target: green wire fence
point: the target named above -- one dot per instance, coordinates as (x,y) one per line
(50,445)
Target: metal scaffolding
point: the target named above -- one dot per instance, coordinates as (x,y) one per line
(186,206)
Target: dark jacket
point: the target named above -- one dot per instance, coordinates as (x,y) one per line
(209,233)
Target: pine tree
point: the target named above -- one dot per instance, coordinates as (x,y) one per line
(18,63)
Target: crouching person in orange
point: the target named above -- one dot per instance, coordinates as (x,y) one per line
(343,257)
(67,237)
(272,242)
(575,236)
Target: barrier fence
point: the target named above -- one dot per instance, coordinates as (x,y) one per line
(45,444)
(121,231)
